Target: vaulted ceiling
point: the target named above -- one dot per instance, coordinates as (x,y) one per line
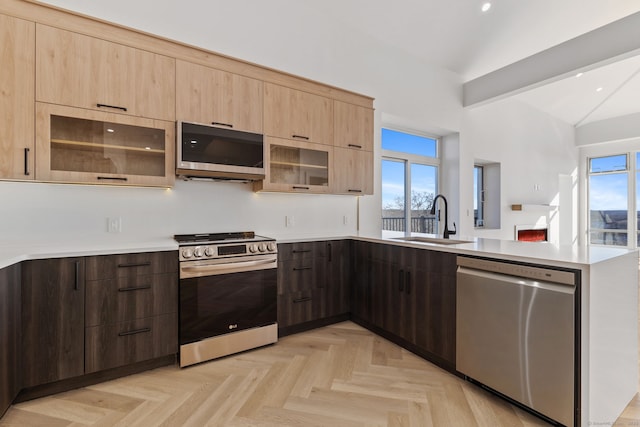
(451,34)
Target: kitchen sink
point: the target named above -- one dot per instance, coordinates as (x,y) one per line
(436,240)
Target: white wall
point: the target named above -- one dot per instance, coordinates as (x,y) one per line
(533,149)
(281,34)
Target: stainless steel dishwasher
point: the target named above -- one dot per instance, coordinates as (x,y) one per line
(516,333)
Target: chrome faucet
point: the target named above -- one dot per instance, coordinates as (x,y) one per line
(447,232)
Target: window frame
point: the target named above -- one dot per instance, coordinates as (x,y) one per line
(408,159)
(631,172)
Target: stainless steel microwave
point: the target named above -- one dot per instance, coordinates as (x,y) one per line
(210,151)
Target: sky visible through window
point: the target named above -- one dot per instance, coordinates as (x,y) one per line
(423,177)
(608,191)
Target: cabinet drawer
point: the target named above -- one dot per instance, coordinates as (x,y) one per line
(301,250)
(130,342)
(298,275)
(129,298)
(299,307)
(131,265)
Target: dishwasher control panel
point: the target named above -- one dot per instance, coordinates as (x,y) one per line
(519,270)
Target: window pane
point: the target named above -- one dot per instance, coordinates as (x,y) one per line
(393,190)
(423,190)
(478,199)
(608,208)
(407,143)
(608,164)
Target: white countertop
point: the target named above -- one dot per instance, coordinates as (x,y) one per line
(14,252)
(534,252)
(547,253)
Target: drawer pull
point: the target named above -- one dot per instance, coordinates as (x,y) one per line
(300,187)
(112,178)
(135,288)
(26,161)
(304,299)
(134,332)
(301,268)
(229,125)
(76,282)
(300,251)
(306,138)
(355,146)
(115,107)
(354,191)
(135,264)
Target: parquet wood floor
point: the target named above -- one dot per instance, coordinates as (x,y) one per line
(340,375)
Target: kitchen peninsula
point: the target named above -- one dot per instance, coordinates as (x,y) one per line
(608,286)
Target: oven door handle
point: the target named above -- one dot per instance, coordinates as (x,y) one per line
(227,267)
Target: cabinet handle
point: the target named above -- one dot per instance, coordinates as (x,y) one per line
(354,146)
(76,284)
(299,187)
(301,268)
(133,332)
(26,161)
(115,107)
(306,138)
(304,299)
(135,264)
(354,191)
(330,251)
(401,280)
(135,288)
(112,178)
(300,251)
(408,282)
(229,125)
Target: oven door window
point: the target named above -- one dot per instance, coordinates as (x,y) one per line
(219,304)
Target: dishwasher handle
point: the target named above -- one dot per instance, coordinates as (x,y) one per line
(531,272)
(516,281)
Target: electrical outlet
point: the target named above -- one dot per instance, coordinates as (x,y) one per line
(114,224)
(345,220)
(289,221)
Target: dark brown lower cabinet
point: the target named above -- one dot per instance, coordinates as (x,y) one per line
(119,344)
(409,296)
(313,284)
(52,320)
(10,354)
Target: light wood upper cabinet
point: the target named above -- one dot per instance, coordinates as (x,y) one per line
(17,41)
(353,126)
(84,146)
(209,96)
(352,171)
(294,114)
(296,167)
(87,72)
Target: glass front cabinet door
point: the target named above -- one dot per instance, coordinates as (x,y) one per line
(84,146)
(294,166)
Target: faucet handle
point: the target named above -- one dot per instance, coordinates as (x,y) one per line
(454,231)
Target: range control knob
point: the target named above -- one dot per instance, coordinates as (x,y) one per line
(198,251)
(253,248)
(271,246)
(187,253)
(208,251)
(262,247)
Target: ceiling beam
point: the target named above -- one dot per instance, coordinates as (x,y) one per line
(609,43)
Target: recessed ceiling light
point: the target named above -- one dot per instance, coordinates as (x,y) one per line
(486,6)
(579,74)
(599,89)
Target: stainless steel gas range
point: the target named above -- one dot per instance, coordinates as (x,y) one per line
(228,294)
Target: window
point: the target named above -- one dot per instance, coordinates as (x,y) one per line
(409,181)
(478,196)
(609,200)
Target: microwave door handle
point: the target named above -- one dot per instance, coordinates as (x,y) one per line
(227,267)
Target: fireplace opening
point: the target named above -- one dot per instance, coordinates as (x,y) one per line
(532,233)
